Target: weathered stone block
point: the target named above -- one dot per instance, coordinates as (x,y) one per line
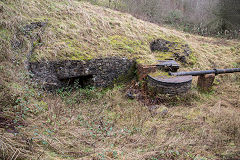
(144,70)
(205,82)
(171,86)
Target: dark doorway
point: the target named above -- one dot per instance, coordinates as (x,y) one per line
(78,82)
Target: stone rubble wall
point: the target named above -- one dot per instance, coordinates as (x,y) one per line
(180,51)
(104,71)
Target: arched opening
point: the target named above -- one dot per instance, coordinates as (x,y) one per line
(79,81)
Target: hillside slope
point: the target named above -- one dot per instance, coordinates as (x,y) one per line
(77,30)
(101,123)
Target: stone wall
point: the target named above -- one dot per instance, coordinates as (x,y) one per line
(171,86)
(104,71)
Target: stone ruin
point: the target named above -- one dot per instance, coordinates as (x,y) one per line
(157,80)
(103,72)
(180,51)
(100,72)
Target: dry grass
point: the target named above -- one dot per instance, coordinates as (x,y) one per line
(103,124)
(78,30)
(97,124)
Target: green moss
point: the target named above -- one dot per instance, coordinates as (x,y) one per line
(81,56)
(192,58)
(159,73)
(145,61)
(124,43)
(75,51)
(164,55)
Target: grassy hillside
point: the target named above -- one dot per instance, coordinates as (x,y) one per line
(101,123)
(77,30)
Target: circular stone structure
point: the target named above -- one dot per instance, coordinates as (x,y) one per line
(170,85)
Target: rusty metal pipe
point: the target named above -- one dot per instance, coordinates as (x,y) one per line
(198,73)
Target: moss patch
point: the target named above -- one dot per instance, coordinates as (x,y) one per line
(159,73)
(164,55)
(124,43)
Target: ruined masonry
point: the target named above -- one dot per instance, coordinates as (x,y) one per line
(98,72)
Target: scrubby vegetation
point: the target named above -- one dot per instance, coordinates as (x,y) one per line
(94,123)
